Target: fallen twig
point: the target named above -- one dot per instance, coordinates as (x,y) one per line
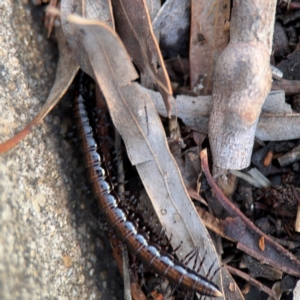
(251,280)
(248,235)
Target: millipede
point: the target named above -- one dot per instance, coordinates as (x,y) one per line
(126,230)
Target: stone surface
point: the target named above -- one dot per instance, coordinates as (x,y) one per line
(50,244)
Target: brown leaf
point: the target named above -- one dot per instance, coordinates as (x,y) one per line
(145,142)
(66,70)
(233,230)
(153,7)
(248,235)
(209,37)
(40,177)
(217,226)
(256,269)
(90,9)
(213,223)
(195,195)
(133,24)
(231,290)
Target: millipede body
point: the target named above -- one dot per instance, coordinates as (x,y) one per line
(117,219)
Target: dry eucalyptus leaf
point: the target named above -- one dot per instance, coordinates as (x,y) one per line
(90,9)
(247,235)
(172,24)
(242,82)
(153,8)
(67,69)
(145,142)
(231,289)
(134,27)
(209,37)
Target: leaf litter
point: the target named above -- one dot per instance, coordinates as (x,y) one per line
(148,151)
(67,69)
(275,122)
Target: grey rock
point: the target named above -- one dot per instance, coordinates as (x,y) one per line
(42,204)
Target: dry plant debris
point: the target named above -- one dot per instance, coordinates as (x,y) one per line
(147,151)
(209,37)
(238,107)
(133,24)
(241,84)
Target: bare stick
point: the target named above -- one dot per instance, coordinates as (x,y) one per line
(242,82)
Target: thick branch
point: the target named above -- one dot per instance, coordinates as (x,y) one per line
(241,84)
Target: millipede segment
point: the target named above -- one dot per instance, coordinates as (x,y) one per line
(117,217)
